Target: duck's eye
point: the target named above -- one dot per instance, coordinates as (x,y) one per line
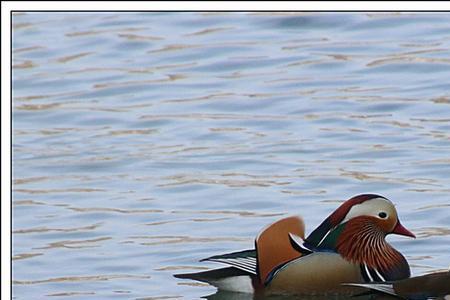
(382,215)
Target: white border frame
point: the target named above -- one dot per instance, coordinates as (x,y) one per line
(9,6)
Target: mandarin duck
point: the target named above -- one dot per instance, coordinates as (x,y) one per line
(347,247)
(417,288)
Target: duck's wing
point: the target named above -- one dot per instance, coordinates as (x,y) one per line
(242,260)
(274,245)
(420,287)
(225,279)
(239,276)
(386,288)
(212,275)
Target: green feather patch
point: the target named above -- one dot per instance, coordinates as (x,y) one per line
(331,239)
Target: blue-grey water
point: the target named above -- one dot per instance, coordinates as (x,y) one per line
(143,142)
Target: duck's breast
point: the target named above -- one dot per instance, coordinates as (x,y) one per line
(316,273)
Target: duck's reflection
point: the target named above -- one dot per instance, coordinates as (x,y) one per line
(222,295)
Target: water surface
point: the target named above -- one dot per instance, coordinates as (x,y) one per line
(143,142)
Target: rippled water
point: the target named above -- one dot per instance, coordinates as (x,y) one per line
(143,142)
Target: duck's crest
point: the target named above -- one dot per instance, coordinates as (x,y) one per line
(319,234)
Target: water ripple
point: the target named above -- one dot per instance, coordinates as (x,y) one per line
(143,142)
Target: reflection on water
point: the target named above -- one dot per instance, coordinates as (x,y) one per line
(242,296)
(143,142)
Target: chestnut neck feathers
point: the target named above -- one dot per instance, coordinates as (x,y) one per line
(362,241)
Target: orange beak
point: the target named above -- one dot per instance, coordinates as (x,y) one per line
(399,229)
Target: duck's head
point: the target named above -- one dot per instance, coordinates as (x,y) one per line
(365,209)
(370,208)
(357,231)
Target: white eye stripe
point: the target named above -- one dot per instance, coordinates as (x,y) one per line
(368,208)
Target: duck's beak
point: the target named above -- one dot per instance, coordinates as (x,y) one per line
(399,229)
